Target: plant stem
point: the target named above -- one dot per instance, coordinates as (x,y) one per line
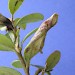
(18,51)
(12,16)
(26,70)
(22,60)
(19,54)
(38,71)
(43,71)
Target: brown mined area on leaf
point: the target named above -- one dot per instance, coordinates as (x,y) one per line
(50,22)
(45,26)
(16,3)
(41,45)
(39,37)
(27,50)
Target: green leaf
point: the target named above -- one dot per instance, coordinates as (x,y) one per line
(48,73)
(7,35)
(14,5)
(29,34)
(52,60)
(6,44)
(29,19)
(38,66)
(15,21)
(17,64)
(8,71)
(23,26)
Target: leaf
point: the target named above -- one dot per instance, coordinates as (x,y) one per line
(52,60)
(48,73)
(17,64)
(6,44)
(29,34)
(14,5)
(15,21)
(38,66)
(7,35)
(38,71)
(23,26)
(33,48)
(34,17)
(37,42)
(8,71)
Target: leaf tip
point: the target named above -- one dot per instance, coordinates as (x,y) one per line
(54,18)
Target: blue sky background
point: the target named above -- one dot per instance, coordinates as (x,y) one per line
(61,37)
